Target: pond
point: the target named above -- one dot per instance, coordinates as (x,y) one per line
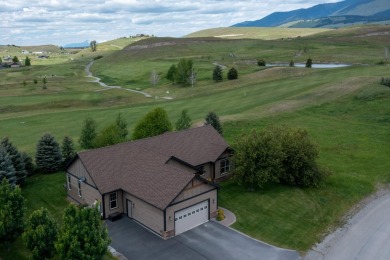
(314,65)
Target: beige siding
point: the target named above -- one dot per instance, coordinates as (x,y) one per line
(170,212)
(218,166)
(194,188)
(120,203)
(88,193)
(207,168)
(145,213)
(77,169)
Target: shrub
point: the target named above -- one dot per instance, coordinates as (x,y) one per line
(261,62)
(220,215)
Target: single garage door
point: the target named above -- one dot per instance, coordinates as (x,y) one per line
(191,217)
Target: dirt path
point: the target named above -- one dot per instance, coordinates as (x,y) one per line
(107,87)
(365,236)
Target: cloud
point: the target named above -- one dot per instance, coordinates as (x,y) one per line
(33,22)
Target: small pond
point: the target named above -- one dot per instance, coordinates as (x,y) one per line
(314,65)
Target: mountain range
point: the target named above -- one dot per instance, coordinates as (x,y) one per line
(327,15)
(83,44)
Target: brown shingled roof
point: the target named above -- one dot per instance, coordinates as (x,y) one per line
(140,167)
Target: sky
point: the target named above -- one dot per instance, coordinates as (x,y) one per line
(37,22)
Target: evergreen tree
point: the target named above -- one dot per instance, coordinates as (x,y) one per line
(261,62)
(15,59)
(88,133)
(67,150)
(7,170)
(48,157)
(28,163)
(184,122)
(291,64)
(217,73)
(309,63)
(122,127)
(12,212)
(213,119)
(16,159)
(171,75)
(40,234)
(155,122)
(27,61)
(232,74)
(83,236)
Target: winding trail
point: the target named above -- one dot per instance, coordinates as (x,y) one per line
(107,87)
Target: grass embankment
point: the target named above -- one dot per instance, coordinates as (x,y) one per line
(353,138)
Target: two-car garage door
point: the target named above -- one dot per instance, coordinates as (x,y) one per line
(191,217)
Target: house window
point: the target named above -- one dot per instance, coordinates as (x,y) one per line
(79,188)
(69,182)
(113,200)
(225,166)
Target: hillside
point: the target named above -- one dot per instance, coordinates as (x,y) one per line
(327,15)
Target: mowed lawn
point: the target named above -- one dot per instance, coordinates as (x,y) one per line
(345,110)
(354,141)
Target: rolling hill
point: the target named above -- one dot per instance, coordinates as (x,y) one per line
(327,15)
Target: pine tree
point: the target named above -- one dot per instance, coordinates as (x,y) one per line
(213,119)
(27,61)
(232,74)
(7,170)
(309,63)
(48,157)
(67,150)
(88,133)
(28,162)
(184,122)
(217,73)
(16,159)
(171,75)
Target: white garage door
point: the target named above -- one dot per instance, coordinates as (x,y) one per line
(191,217)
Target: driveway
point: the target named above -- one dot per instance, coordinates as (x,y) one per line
(208,241)
(365,236)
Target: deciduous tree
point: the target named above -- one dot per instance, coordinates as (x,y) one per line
(12,212)
(41,234)
(93,45)
(48,157)
(122,126)
(154,78)
(83,236)
(155,122)
(183,71)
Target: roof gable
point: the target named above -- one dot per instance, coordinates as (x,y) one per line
(142,167)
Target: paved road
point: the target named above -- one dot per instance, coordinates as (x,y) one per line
(366,235)
(208,241)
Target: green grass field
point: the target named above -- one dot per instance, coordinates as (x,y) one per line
(345,110)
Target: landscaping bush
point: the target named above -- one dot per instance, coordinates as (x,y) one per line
(220,215)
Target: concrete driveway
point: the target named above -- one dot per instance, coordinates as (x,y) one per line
(208,241)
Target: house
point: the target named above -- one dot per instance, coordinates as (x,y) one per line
(166,182)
